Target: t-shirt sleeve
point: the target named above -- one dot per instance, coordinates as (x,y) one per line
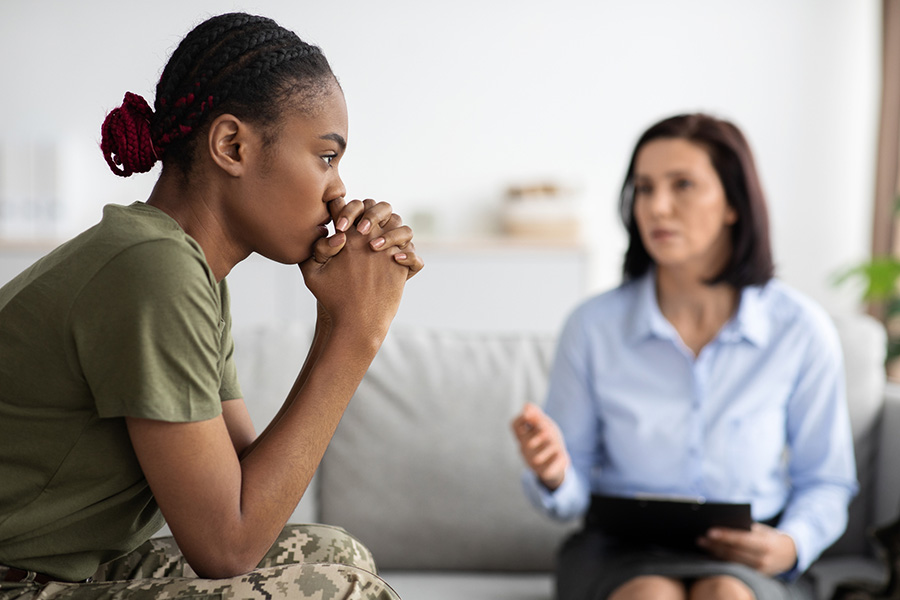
(149,334)
(230,388)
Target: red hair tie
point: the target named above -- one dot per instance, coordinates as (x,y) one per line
(125,137)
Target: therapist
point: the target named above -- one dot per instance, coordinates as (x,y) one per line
(700,375)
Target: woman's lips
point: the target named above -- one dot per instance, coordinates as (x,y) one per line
(662,235)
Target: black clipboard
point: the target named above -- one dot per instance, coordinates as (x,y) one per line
(669,521)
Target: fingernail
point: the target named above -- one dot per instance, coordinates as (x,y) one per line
(342,224)
(335,241)
(400,256)
(378,243)
(365,226)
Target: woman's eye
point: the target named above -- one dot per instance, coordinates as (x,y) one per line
(642,189)
(683,184)
(328,158)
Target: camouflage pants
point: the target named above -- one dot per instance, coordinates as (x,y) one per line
(315,562)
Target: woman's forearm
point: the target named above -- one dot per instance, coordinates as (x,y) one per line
(276,473)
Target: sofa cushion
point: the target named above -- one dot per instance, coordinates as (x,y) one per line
(864,343)
(468,585)
(424,469)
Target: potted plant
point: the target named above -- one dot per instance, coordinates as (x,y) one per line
(880,277)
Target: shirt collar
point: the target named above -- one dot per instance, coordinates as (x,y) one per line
(751,323)
(646,320)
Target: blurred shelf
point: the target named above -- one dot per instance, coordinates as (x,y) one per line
(497,243)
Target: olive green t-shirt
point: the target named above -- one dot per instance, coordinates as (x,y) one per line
(126,319)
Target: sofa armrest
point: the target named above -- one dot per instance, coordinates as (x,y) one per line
(887,475)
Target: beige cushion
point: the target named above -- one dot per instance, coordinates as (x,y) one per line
(424,468)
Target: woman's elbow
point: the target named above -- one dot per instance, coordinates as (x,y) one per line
(222,564)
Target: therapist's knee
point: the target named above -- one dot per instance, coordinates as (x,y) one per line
(719,588)
(649,587)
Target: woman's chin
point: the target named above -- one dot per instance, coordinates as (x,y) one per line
(664,259)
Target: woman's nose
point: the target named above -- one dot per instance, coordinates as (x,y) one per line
(660,202)
(337,190)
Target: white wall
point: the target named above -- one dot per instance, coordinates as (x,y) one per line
(452,101)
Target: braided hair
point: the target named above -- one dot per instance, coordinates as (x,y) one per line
(244,65)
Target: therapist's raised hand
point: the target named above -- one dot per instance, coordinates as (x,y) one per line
(542,446)
(763,548)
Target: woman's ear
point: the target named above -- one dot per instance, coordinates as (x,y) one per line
(226,140)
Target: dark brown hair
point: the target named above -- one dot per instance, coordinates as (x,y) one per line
(751,257)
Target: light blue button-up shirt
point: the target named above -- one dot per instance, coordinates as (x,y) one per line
(759,416)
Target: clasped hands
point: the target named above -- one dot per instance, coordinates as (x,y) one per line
(376,221)
(360,270)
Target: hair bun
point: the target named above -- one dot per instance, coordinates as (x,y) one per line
(126,140)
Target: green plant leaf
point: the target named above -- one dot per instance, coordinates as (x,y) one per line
(879,275)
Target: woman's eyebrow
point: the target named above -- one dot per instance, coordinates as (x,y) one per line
(676,173)
(337,138)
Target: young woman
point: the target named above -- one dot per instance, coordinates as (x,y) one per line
(119,401)
(700,376)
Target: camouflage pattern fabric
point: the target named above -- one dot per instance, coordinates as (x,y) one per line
(315,562)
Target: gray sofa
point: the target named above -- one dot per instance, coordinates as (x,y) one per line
(424,471)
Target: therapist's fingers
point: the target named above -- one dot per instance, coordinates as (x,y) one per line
(552,472)
(541,445)
(529,421)
(763,548)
